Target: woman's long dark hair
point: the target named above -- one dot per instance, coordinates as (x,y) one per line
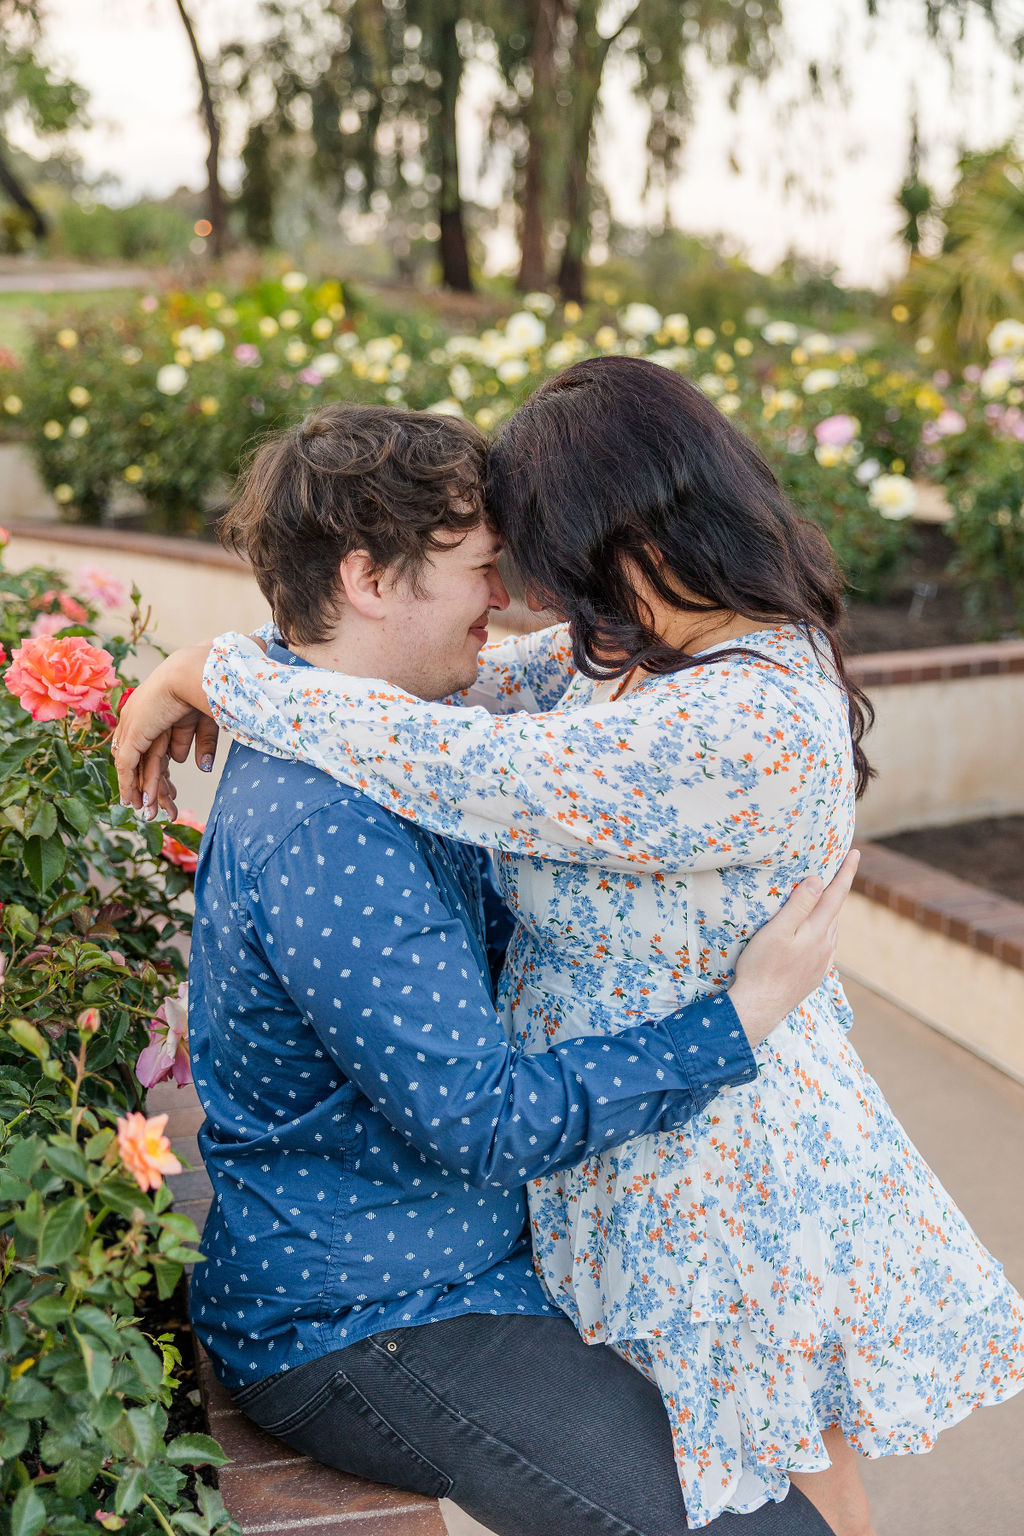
(619,468)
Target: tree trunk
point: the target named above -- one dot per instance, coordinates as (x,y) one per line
(539,122)
(16,192)
(214,192)
(452,247)
(589,55)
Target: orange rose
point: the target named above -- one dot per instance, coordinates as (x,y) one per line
(50,675)
(179,853)
(145,1150)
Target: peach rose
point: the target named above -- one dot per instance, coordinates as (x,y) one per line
(50,675)
(179,853)
(145,1150)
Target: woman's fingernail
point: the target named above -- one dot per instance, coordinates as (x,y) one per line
(206,764)
(145,799)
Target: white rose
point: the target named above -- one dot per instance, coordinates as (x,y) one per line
(1006,339)
(820,379)
(893,496)
(512,370)
(171,379)
(460,382)
(525,331)
(640,320)
(780,333)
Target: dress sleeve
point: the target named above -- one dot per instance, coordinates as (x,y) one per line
(698,774)
(523,672)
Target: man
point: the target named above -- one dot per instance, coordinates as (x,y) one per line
(368,1294)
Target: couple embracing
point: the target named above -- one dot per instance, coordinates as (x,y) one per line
(545,1175)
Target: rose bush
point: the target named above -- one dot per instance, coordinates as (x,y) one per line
(91,965)
(164,398)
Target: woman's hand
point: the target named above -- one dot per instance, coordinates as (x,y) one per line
(791,954)
(161,720)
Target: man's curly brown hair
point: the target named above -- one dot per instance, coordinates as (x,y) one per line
(388,481)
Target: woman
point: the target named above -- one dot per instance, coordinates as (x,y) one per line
(788,1267)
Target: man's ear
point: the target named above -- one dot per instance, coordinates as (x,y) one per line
(360,582)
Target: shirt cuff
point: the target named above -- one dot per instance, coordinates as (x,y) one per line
(711,1045)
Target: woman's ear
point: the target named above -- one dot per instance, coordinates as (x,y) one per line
(360,582)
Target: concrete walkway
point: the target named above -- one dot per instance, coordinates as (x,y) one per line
(967,1119)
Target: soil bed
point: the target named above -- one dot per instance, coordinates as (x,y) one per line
(989,853)
(925,606)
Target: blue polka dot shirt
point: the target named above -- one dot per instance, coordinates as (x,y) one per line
(369,1127)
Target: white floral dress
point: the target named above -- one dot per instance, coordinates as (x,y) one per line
(787,1262)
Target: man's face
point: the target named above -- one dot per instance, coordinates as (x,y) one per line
(435,633)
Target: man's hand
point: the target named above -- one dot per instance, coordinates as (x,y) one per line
(163,718)
(789,956)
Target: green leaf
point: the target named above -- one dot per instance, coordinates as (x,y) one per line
(45,860)
(66,1159)
(102,1325)
(25,1157)
(28,1513)
(50,1311)
(99,1367)
(106,1414)
(130,1489)
(80,1470)
(20,922)
(43,821)
(62,1231)
(12,1189)
(29,1038)
(14,1440)
(76,813)
(27,1398)
(12,756)
(196,1451)
(66,903)
(147,1432)
(164,1481)
(167,1272)
(97,1145)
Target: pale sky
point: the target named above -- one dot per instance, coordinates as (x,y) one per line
(134,58)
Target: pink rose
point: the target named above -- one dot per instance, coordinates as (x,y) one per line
(247,355)
(167,1055)
(72,609)
(5,538)
(98,585)
(51,675)
(950,423)
(47,624)
(836,431)
(179,853)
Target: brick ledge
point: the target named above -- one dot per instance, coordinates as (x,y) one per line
(943,903)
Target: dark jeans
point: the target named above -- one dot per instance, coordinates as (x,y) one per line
(528,1429)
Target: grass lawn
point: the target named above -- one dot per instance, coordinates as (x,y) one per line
(20,311)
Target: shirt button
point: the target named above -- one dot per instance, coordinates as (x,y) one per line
(391,1347)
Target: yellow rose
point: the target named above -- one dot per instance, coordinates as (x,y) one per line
(133,473)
